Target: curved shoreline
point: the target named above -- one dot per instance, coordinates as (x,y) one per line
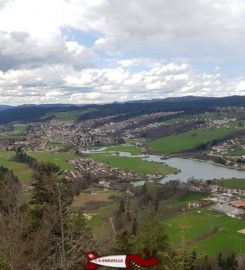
(202,160)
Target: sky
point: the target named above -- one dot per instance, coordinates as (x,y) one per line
(102,51)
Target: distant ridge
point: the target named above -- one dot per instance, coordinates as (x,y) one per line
(188,104)
(4,107)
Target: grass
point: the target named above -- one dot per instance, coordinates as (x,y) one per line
(58,158)
(93,195)
(24,172)
(21,170)
(198,227)
(232,183)
(17,131)
(133,164)
(176,204)
(238,123)
(187,140)
(237,152)
(125,148)
(102,230)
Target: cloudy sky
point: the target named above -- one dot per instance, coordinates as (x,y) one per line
(99,51)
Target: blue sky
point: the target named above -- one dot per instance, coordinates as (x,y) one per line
(99,51)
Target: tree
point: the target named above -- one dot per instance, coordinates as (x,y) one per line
(151,235)
(121,208)
(227,263)
(181,259)
(13,223)
(124,243)
(134,227)
(59,237)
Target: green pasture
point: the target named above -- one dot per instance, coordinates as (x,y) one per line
(18,130)
(58,158)
(206,231)
(21,170)
(187,140)
(124,148)
(133,164)
(232,183)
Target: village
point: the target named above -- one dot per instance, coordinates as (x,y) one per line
(59,135)
(228,201)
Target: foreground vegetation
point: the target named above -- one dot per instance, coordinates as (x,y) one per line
(21,170)
(41,234)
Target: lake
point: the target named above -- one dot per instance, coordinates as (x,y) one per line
(190,168)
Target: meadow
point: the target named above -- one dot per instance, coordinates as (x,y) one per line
(133,164)
(24,172)
(58,158)
(93,196)
(187,140)
(18,130)
(206,231)
(124,148)
(21,170)
(232,183)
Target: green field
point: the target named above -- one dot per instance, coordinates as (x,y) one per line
(187,140)
(17,131)
(58,158)
(207,231)
(236,152)
(101,227)
(93,195)
(21,170)
(238,123)
(124,148)
(133,164)
(232,183)
(24,172)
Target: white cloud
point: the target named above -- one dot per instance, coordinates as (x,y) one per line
(19,49)
(40,62)
(57,84)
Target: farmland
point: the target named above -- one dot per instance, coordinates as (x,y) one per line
(187,140)
(125,148)
(59,158)
(206,231)
(232,183)
(21,170)
(93,197)
(133,164)
(17,130)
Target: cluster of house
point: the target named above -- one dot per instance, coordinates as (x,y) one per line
(108,176)
(224,123)
(55,134)
(231,151)
(230,202)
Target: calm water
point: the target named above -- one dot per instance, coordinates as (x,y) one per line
(190,168)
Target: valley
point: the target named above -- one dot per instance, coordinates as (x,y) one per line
(123,167)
